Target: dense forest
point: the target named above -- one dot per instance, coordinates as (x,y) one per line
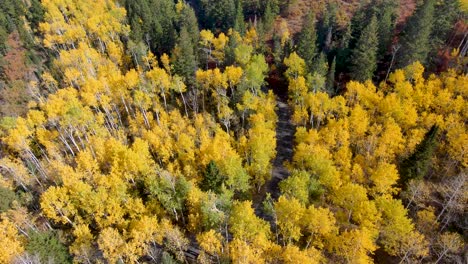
(233,131)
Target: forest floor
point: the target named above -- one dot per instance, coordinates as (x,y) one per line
(284,152)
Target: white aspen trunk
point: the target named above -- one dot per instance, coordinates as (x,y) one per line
(454,194)
(164,98)
(394,52)
(36,162)
(62,138)
(145,118)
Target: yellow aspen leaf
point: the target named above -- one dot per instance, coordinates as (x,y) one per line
(112,245)
(292,254)
(11,241)
(210,242)
(289,214)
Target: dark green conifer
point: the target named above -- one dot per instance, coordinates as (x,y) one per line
(47,247)
(271,11)
(307,47)
(343,50)
(188,19)
(7,197)
(278,51)
(330,84)
(212,179)
(415,39)
(326,27)
(218,14)
(183,56)
(36,13)
(417,165)
(239,23)
(387,22)
(152,21)
(445,16)
(364,55)
(320,65)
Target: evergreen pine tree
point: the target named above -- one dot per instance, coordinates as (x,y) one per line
(387,17)
(275,7)
(320,65)
(260,29)
(47,247)
(326,27)
(358,22)
(444,19)
(230,51)
(330,84)
(317,77)
(417,165)
(364,55)
(271,11)
(239,23)
(212,179)
(152,21)
(343,50)
(7,197)
(218,14)
(307,47)
(252,7)
(278,51)
(11,12)
(188,19)
(36,13)
(183,56)
(445,15)
(166,258)
(415,39)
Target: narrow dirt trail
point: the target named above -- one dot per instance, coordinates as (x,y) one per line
(284,152)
